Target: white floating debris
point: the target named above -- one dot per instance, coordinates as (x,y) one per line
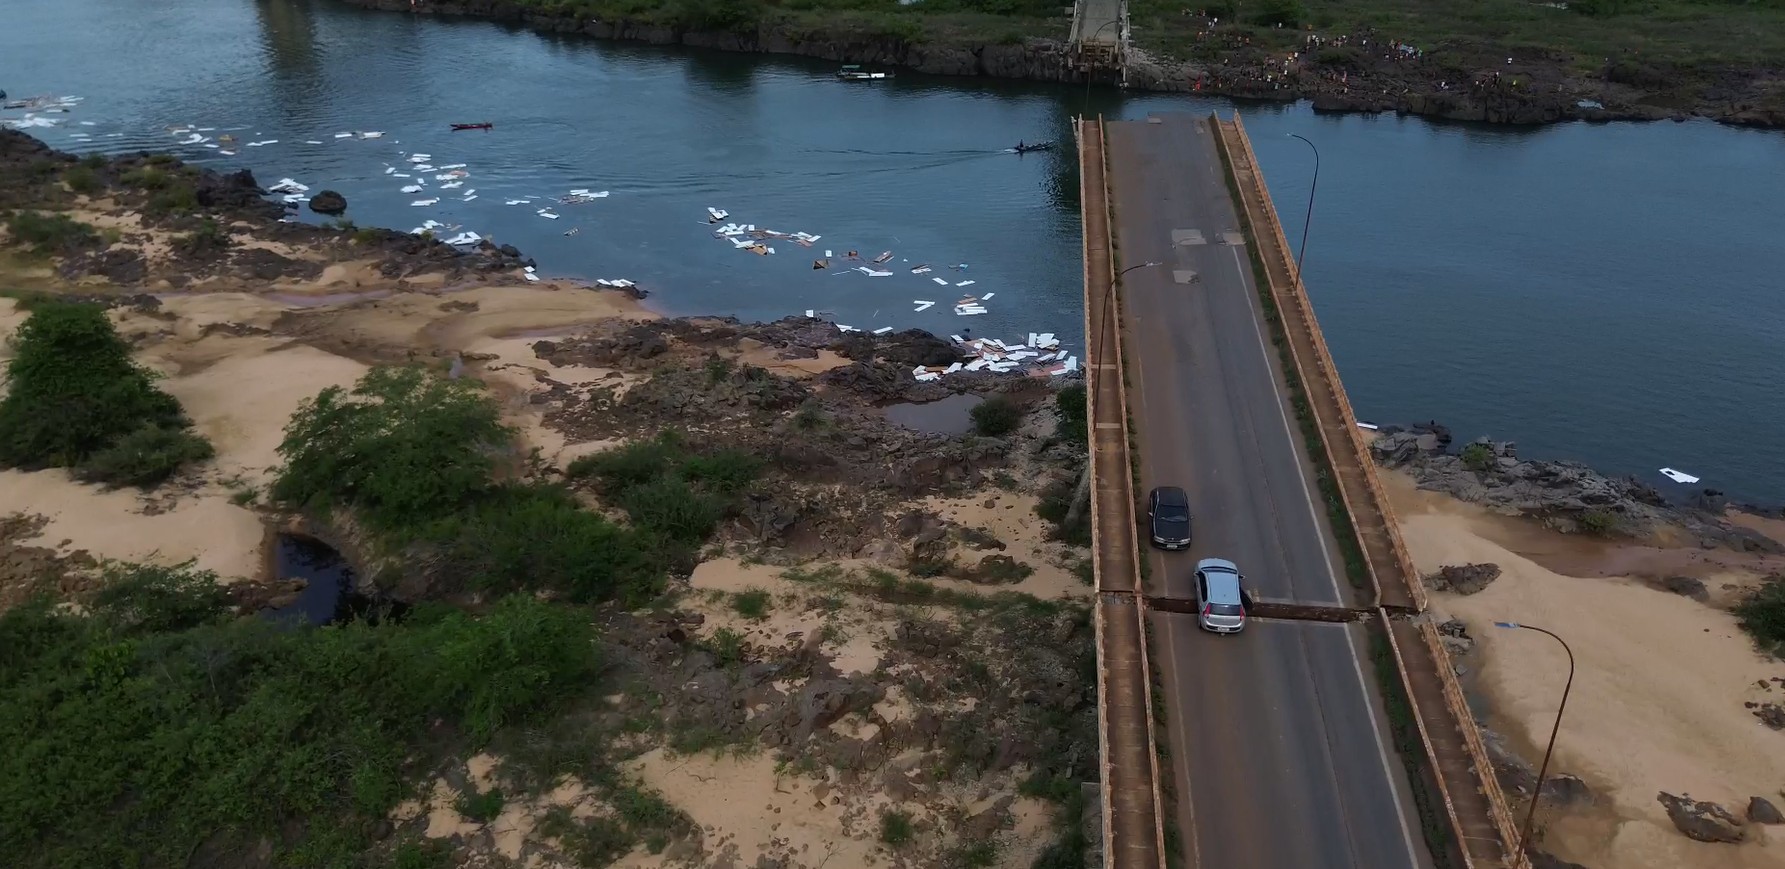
(451,185)
(343,135)
(401,175)
(986,296)
(969,312)
(942,281)
(923,306)
(448,176)
(390,170)
(966,283)
(413,188)
(286,185)
(464,238)
(374,134)
(809,311)
(714,215)
(1367,426)
(827,254)
(883,330)
(295,198)
(312,141)
(1678,476)
(423,167)
(189,140)
(470,196)
(419,158)
(424,202)
(531,269)
(547,214)
(873,273)
(263,143)
(517,202)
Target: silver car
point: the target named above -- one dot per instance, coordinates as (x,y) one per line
(1220,604)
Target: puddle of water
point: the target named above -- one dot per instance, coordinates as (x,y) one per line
(330,595)
(950,416)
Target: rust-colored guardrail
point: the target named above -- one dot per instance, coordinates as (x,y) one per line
(1133,829)
(1474,804)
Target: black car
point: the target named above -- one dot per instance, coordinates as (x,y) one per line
(1168,508)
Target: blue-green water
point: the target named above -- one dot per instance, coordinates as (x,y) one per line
(1605,293)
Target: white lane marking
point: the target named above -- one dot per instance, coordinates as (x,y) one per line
(1394,781)
(1382,752)
(1332,580)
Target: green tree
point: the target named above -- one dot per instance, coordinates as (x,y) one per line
(403,449)
(996,416)
(73,391)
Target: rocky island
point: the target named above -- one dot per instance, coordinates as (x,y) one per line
(1496,61)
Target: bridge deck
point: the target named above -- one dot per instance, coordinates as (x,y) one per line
(1097,21)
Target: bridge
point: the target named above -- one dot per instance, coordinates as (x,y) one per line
(1332,732)
(1098,45)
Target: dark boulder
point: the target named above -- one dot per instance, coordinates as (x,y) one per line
(1701,820)
(328,202)
(1762,811)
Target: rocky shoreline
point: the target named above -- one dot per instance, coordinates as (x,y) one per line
(1567,496)
(1468,83)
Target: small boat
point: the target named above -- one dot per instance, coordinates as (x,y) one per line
(854,72)
(1024,148)
(483,126)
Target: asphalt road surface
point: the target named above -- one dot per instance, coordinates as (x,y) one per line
(1279,748)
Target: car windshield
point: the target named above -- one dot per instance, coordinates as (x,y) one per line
(1170,517)
(1226,609)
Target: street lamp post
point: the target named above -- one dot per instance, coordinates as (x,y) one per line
(1524,842)
(1132,268)
(1303,252)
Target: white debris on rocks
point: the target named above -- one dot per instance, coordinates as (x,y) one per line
(1039,356)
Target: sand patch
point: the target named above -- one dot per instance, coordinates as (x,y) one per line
(855,634)
(1011,518)
(746,805)
(113,525)
(754,352)
(243,402)
(1656,704)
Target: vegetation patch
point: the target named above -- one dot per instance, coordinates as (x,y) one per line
(667,488)
(1762,615)
(155,724)
(51,233)
(75,399)
(416,457)
(996,416)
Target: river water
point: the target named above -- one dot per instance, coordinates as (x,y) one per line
(1605,293)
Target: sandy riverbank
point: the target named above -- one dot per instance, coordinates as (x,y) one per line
(1657,703)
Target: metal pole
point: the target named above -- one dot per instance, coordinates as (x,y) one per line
(1524,843)
(1303,252)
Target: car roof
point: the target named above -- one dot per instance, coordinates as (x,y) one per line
(1171,496)
(1218,565)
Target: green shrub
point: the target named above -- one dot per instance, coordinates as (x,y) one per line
(178,199)
(752,604)
(1602,522)
(81,178)
(73,392)
(147,178)
(621,468)
(1762,615)
(479,807)
(95,161)
(996,416)
(521,536)
(1478,457)
(50,233)
(147,727)
(896,828)
(145,457)
(727,471)
(209,237)
(404,449)
(668,506)
(1070,408)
